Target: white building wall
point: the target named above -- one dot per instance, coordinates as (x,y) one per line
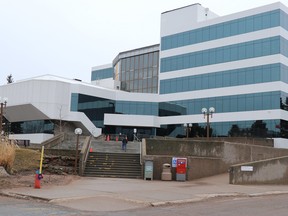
(184,19)
(106,83)
(33,138)
(52,96)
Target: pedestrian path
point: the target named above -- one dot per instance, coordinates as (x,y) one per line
(115,146)
(113,194)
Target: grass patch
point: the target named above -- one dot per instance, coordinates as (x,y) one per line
(18,160)
(7,155)
(26,160)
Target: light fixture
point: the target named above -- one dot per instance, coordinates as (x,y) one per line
(207,114)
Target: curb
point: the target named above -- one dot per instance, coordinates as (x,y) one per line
(200,198)
(25,197)
(268,193)
(214,196)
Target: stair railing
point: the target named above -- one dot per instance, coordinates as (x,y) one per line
(141,156)
(140,146)
(136,138)
(56,140)
(84,155)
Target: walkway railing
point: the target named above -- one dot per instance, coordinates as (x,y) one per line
(84,155)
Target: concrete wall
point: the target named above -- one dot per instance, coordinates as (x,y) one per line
(204,158)
(197,167)
(272,171)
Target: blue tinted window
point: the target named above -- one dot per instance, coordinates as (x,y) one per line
(226,54)
(220,79)
(74,102)
(102,74)
(226,29)
(234,103)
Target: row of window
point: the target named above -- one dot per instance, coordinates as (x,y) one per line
(226,29)
(140,61)
(140,73)
(258,128)
(246,50)
(148,85)
(234,103)
(102,74)
(137,108)
(36,126)
(221,79)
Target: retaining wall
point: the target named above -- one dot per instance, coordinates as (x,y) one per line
(204,158)
(271,171)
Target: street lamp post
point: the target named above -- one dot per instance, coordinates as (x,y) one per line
(78,132)
(3,103)
(207,114)
(187,126)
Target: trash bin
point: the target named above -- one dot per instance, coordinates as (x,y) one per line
(148,174)
(166,174)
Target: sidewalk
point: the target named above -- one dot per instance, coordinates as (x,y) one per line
(110,194)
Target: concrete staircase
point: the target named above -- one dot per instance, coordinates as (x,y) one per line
(113,165)
(107,159)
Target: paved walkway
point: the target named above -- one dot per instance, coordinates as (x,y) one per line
(110,194)
(115,146)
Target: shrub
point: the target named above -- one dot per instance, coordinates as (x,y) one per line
(7,155)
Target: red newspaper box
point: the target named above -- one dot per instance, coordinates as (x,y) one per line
(181,168)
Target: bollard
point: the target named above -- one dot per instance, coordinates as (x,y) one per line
(37,184)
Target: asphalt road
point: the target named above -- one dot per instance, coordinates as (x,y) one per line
(19,207)
(256,206)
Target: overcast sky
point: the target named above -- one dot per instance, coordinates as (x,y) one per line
(68,37)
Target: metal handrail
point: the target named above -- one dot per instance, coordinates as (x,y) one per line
(84,155)
(141,156)
(136,138)
(140,143)
(55,140)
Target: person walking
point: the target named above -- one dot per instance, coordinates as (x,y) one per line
(124,143)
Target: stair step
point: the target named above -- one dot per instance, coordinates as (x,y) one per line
(113,165)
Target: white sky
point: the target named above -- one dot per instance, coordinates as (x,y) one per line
(68,37)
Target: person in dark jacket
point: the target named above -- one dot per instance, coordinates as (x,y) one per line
(124,143)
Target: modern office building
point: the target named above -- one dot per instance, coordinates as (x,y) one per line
(236,64)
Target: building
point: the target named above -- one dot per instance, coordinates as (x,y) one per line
(236,63)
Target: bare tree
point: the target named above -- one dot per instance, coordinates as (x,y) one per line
(9,79)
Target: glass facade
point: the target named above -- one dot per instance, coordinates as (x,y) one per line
(226,29)
(221,79)
(36,126)
(235,52)
(137,108)
(102,74)
(233,103)
(95,108)
(139,73)
(258,128)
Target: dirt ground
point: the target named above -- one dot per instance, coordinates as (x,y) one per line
(24,168)
(28,179)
